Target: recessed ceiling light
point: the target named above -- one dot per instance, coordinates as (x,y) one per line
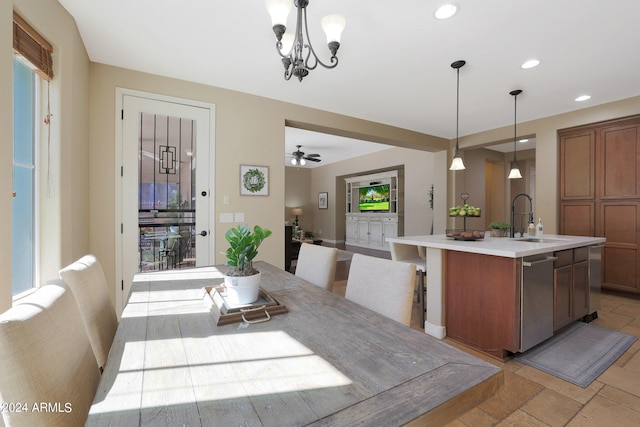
(583,98)
(530,64)
(446,11)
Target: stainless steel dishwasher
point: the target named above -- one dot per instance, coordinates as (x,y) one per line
(536,300)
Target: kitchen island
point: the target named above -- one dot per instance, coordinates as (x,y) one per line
(501,295)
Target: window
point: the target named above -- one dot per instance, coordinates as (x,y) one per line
(32,62)
(24,178)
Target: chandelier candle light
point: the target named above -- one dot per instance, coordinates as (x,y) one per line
(515,172)
(293,48)
(456,163)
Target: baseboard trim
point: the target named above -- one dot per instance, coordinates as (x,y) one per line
(435,331)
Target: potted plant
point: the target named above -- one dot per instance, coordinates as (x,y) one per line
(243,282)
(499,229)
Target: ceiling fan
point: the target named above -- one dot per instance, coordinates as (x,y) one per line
(299,157)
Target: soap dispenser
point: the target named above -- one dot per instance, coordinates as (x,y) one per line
(532,228)
(539,228)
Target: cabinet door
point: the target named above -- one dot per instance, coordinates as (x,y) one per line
(580,290)
(619,158)
(351,230)
(390,229)
(562,287)
(577,218)
(619,224)
(363,232)
(577,166)
(376,237)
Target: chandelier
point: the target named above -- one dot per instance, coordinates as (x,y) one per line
(298,55)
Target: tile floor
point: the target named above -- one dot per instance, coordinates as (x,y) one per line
(533,398)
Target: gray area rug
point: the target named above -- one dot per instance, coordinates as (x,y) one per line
(579,353)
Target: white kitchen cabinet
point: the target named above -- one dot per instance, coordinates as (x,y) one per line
(370,229)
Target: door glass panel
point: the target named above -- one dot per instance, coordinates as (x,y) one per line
(166,187)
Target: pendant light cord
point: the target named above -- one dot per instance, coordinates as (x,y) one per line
(515,94)
(457,108)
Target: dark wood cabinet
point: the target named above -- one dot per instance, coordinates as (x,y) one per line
(570,286)
(600,194)
(577,166)
(562,289)
(483,316)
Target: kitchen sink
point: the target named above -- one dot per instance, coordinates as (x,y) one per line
(539,240)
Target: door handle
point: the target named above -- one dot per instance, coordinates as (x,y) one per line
(203,233)
(538,262)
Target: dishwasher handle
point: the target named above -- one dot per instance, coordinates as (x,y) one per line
(538,262)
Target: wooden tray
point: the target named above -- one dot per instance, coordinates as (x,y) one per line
(226,313)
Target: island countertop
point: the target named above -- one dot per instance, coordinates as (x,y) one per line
(501,246)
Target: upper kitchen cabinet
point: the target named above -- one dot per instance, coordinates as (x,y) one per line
(577,166)
(619,155)
(600,194)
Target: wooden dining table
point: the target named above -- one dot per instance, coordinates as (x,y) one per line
(326,361)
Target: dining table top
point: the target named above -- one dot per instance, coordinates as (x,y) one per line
(326,361)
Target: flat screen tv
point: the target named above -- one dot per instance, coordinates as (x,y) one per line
(374,198)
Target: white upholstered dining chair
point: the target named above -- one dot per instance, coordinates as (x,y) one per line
(382,285)
(317,264)
(46,360)
(86,279)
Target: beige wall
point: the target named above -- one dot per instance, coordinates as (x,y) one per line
(65,216)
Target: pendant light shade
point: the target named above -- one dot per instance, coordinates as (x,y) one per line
(456,163)
(515,172)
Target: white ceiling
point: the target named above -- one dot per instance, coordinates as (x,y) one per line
(395,56)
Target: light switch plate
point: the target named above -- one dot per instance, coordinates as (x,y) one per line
(239,217)
(226,217)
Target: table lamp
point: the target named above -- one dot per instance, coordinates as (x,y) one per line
(296,212)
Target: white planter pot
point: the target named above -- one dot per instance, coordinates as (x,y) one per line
(242,289)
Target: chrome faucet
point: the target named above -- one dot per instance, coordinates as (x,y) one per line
(513,207)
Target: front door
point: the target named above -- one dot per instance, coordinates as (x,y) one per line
(166,184)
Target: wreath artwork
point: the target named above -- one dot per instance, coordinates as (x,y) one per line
(254,180)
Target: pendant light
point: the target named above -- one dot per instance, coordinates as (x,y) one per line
(515,172)
(456,162)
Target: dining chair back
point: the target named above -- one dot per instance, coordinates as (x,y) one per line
(86,279)
(382,285)
(49,372)
(317,264)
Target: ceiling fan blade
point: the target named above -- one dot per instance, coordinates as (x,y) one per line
(312,159)
(313,155)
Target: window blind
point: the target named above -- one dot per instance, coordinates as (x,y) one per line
(33,47)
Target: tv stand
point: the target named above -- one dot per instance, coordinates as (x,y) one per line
(371,229)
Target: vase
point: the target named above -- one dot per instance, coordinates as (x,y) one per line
(242,289)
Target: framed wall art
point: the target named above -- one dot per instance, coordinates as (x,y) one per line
(254,180)
(323,200)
